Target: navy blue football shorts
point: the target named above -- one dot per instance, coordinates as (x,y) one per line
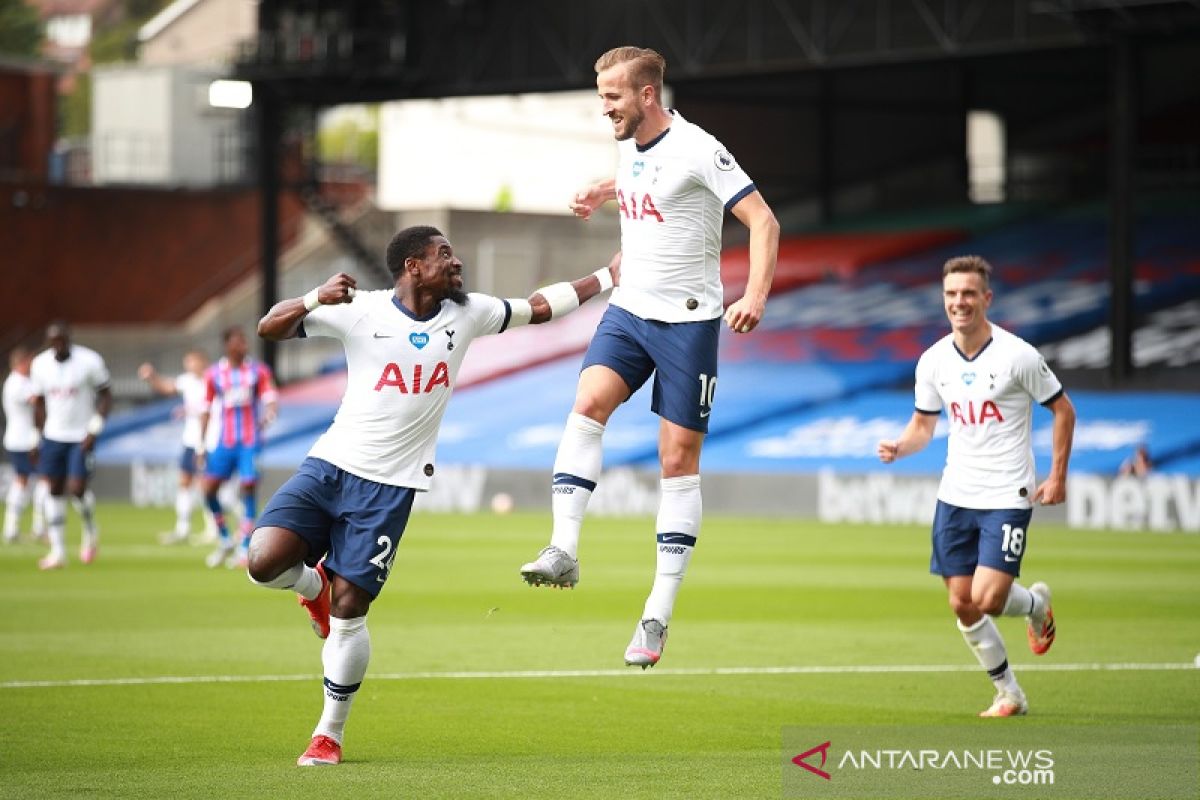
(21,462)
(64,460)
(187,461)
(964,538)
(355,523)
(681,355)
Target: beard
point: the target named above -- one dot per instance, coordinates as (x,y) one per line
(633,121)
(457,296)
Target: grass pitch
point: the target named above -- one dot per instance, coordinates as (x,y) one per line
(482,687)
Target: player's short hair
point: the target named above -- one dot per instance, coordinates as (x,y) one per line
(646,66)
(231,331)
(973,264)
(58,327)
(18,354)
(409,243)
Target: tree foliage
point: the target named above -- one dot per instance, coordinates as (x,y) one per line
(20,31)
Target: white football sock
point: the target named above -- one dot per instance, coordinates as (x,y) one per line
(344,657)
(679,511)
(86,506)
(985,642)
(41,490)
(185,501)
(56,525)
(1023,603)
(14,504)
(576,470)
(302,579)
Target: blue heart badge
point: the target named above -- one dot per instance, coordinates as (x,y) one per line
(968,378)
(419,340)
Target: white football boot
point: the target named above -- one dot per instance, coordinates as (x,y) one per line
(646,647)
(552,567)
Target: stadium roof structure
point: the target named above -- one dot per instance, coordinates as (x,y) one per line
(332,52)
(778,53)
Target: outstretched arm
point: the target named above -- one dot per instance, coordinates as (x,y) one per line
(159,383)
(743,315)
(916,435)
(559,299)
(284,318)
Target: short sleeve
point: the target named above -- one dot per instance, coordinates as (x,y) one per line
(928,401)
(35,381)
(335,321)
(1036,376)
(210,385)
(719,171)
(98,375)
(488,314)
(266,384)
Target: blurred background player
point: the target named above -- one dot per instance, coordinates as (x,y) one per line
(20,440)
(349,501)
(1138,464)
(240,401)
(674,183)
(72,400)
(190,387)
(987,380)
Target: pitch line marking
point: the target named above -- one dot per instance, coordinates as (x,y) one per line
(600,673)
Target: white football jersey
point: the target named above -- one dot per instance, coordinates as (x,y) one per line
(192,390)
(400,372)
(20,434)
(988,400)
(69,388)
(671,198)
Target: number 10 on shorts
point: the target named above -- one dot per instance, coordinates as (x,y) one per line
(708,391)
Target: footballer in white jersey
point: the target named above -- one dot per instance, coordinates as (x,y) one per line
(72,399)
(986,380)
(988,401)
(400,371)
(671,195)
(332,530)
(673,185)
(190,387)
(20,439)
(69,387)
(20,432)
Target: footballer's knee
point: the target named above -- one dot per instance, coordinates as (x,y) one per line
(964,608)
(990,601)
(272,551)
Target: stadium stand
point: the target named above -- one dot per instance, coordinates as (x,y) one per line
(851,315)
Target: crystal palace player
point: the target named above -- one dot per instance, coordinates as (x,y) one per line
(674,184)
(239,400)
(350,499)
(987,379)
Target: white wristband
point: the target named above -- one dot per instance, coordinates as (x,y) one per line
(95,425)
(604,275)
(561,297)
(522,312)
(312,299)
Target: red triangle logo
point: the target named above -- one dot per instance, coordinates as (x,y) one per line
(823,749)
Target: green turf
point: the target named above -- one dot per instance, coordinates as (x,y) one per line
(760,593)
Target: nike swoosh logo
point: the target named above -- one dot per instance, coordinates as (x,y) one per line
(704,414)
(383,336)
(1010,559)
